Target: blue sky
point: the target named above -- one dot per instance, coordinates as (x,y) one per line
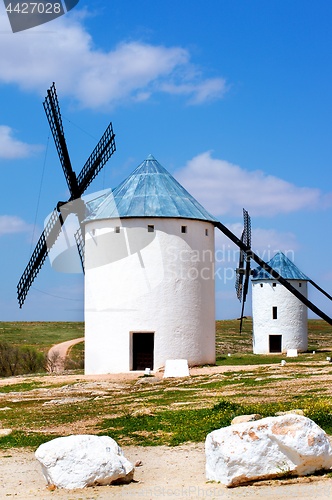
(232,97)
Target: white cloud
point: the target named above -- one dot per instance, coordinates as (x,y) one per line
(65,53)
(224,188)
(11,148)
(200,92)
(11,224)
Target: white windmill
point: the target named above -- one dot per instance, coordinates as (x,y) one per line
(149,284)
(280,320)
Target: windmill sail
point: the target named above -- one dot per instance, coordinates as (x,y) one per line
(77,185)
(52,110)
(44,244)
(99,156)
(243,272)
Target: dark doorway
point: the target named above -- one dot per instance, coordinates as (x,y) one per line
(143,345)
(275,343)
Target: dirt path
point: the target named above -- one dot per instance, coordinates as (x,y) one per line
(56,356)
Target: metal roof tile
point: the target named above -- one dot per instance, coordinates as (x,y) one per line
(284,266)
(150,191)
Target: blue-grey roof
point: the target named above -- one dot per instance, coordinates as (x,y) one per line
(284,267)
(150,191)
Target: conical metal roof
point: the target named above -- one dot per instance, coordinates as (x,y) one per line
(284,267)
(150,191)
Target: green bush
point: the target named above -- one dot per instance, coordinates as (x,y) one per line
(20,360)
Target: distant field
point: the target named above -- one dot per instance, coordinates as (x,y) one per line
(43,335)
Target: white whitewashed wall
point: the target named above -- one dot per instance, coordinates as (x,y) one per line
(140,281)
(292,316)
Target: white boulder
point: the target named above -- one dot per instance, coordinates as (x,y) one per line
(267,448)
(83,460)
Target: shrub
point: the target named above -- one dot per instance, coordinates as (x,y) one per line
(19,360)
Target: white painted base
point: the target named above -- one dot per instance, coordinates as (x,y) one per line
(160,282)
(291,320)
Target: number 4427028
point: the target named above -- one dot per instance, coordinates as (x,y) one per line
(34,8)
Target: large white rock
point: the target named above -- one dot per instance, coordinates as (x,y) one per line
(266,448)
(83,460)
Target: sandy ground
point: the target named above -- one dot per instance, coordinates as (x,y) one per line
(165,473)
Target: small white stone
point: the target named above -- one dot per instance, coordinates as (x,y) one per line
(5,432)
(245,418)
(176,368)
(292,353)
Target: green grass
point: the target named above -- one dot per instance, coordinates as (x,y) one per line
(24,386)
(23,440)
(180,426)
(261,359)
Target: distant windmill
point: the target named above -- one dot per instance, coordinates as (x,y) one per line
(77,185)
(243,273)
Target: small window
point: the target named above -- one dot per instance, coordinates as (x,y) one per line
(117,229)
(150,228)
(183,229)
(300,284)
(206,232)
(261,285)
(274,284)
(274,312)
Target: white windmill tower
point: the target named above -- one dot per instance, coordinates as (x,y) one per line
(149,279)
(280,320)
(279,298)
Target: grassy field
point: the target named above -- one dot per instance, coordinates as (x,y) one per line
(154,411)
(41,335)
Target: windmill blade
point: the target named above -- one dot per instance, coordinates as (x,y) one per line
(99,156)
(239,274)
(320,289)
(52,110)
(246,240)
(273,273)
(80,246)
(245,289)
(44,244)
(246,228)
